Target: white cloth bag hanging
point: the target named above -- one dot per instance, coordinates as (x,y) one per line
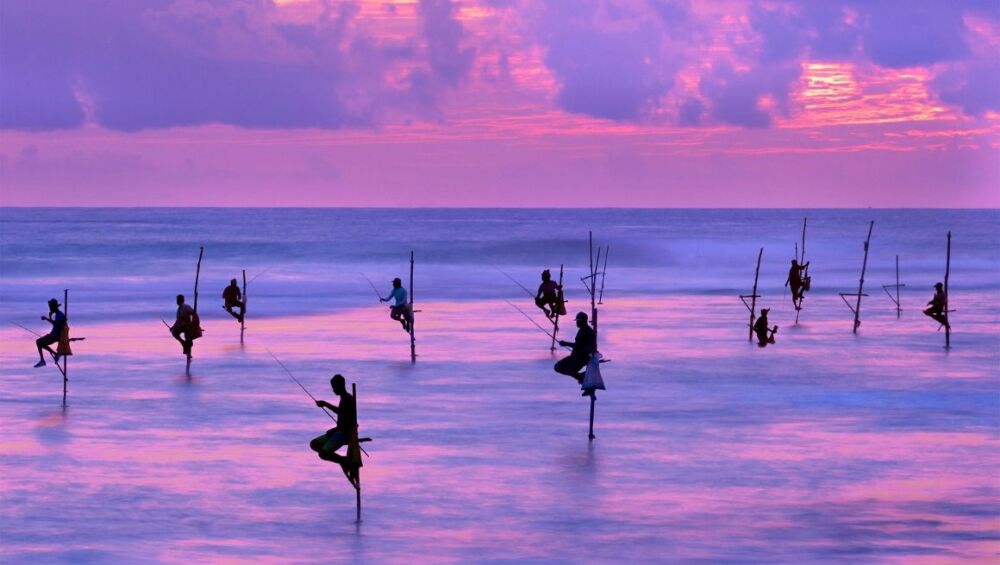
(592,378)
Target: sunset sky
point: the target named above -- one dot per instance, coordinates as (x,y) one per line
(789,103)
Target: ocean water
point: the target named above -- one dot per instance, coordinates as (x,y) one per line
(880,447)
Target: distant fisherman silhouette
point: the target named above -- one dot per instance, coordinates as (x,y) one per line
(399,310)
(547,297)
(344,433)
(796,282)
(233,299)
(186,324)
(938,305)
(765,335)
(583,347)
(58,321)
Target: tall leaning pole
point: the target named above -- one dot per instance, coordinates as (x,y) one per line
(947,273)
(413,317)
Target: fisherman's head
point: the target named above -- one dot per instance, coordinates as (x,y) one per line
(180,299)
(546,275)
(794,262)
(53,305)
(938,286)
(338,384)
(232,282)
(397,283)
(764,311)
(581,319)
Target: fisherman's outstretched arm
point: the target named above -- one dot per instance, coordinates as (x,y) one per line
(327,405)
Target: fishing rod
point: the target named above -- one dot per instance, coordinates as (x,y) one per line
(260,273)
(31,331)
(291,376)
(372,285)
(532,320)
(26,329)
(513,280)
(325,411)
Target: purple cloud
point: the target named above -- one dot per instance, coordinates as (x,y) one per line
(611,63)
(443,34)
(139,65)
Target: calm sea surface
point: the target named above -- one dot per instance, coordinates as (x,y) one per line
(880,447)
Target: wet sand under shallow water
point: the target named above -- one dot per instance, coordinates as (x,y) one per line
(723,452)
(828,447)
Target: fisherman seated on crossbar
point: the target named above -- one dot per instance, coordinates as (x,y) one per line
(58,321)
(345,432)
(233,298)
(938,305)
(796,283)
(399,310)
(184,324)
(547,297)
(583,347)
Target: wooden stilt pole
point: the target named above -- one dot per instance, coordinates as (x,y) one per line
(357,477)
(604,274)
(947,274)
(593,319)
(753,296)
(593,401)
(899,305)
(593,276)
(805,271)
(243,308)
(65,358)
(413,317)
(555,319)
(895,299)
(861,281)
(197,276)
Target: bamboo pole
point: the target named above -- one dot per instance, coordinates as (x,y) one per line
(895,299)
(555,319)
(604,274)
(805,271)
(243,308)
(861,281)
(593,278)
(947,274)
(65,358)
(593,318)
(197,276)
(413,316)
(804,222)
(357,472)
(753,295)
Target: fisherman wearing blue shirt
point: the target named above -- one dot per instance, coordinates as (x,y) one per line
(399,309)
(58,321)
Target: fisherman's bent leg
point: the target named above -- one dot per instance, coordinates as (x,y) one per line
(570,366)
(44,342)
(333,441)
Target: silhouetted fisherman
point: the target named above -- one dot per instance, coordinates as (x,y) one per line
(547,297)
(796,283)
(583,346)
(58,321)
(233,299)
(344,433)
(184,324)
(938,305)
(399,309)
(765,334)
